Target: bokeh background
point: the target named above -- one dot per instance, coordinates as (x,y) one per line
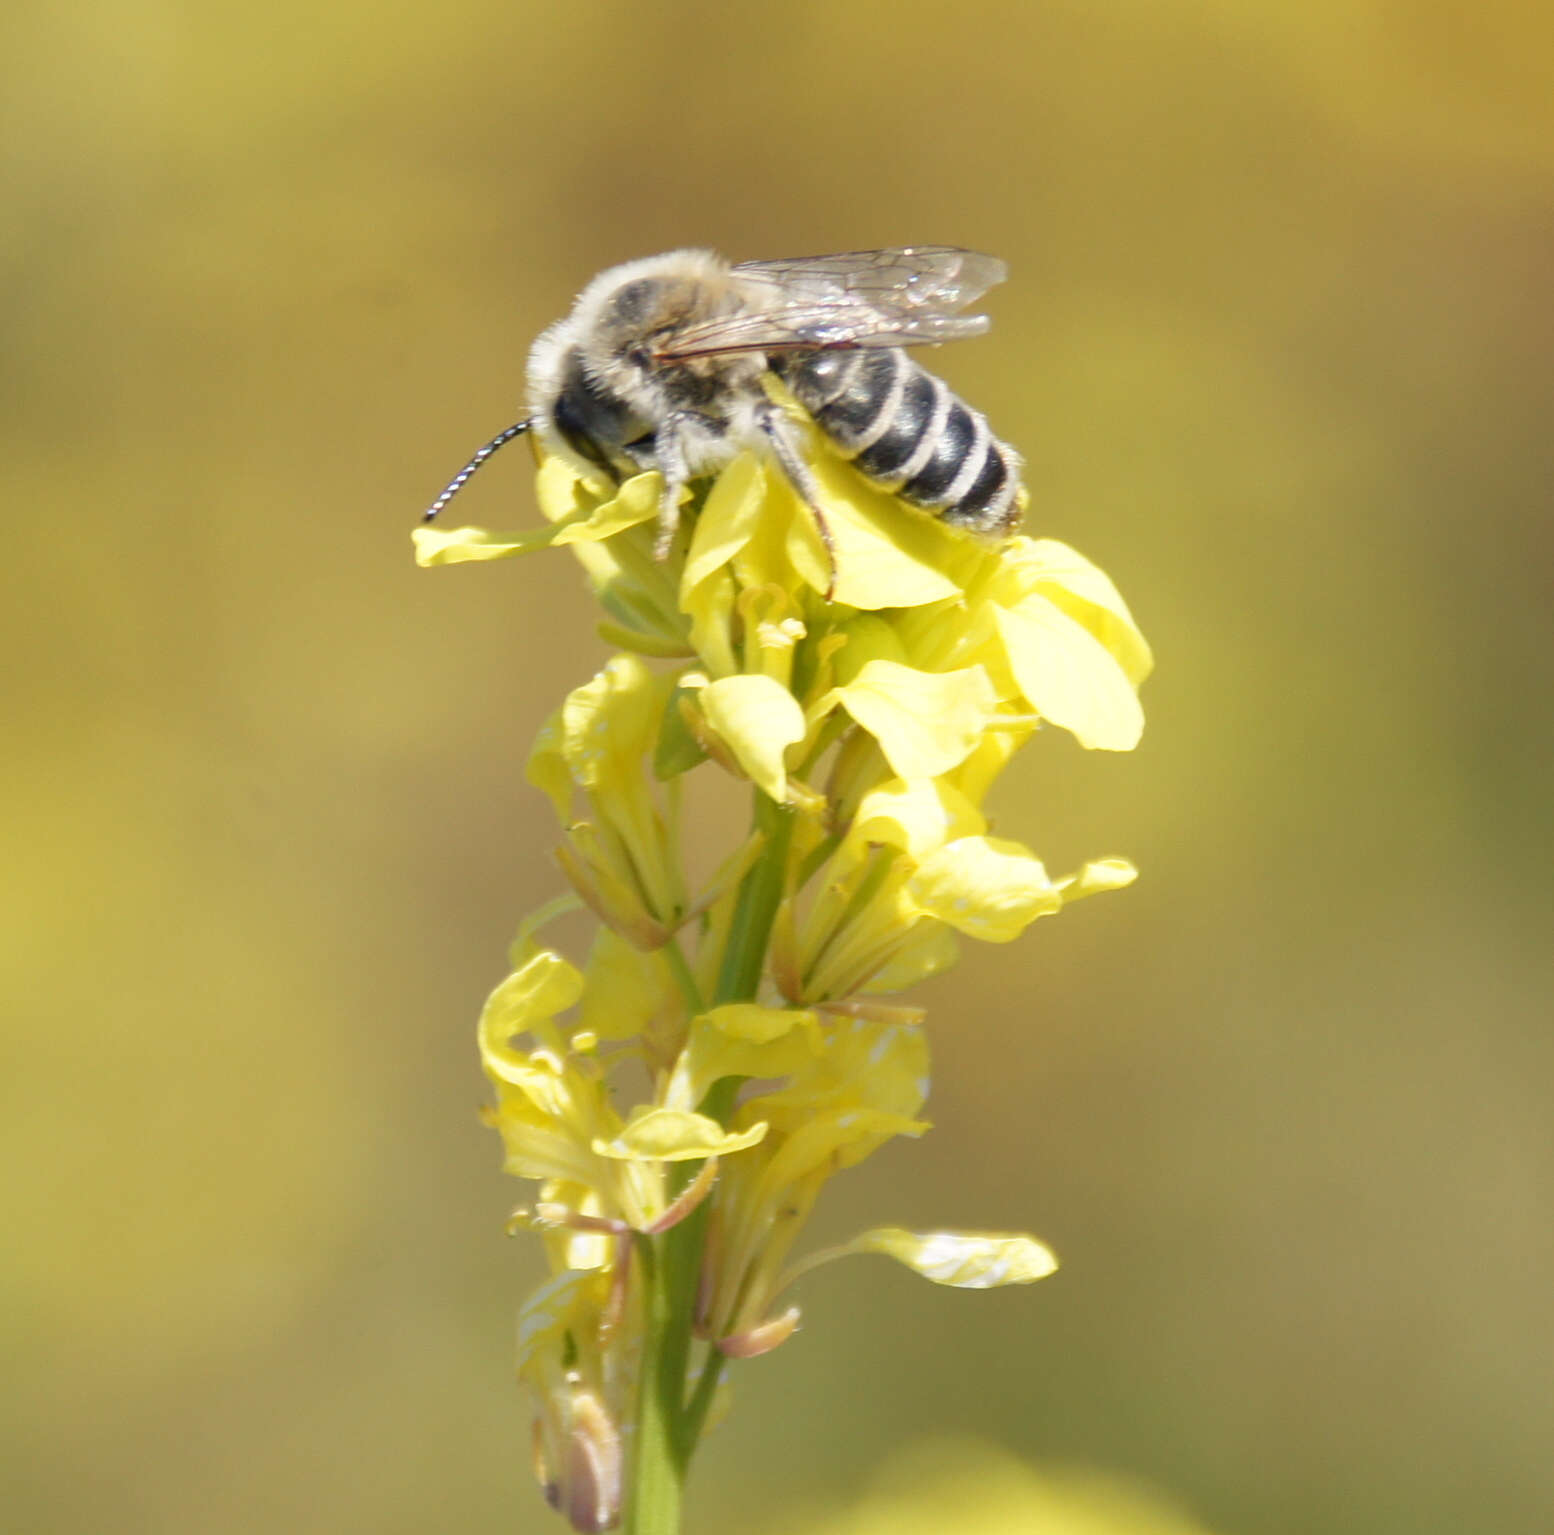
(1277,348)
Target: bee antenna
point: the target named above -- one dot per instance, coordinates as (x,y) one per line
(456,484)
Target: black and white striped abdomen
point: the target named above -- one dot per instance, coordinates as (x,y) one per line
(907,431)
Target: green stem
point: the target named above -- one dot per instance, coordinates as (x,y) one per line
(684,979)
(701,1399)
(657,1472)
(744,956)
(818,854)
(667,1425)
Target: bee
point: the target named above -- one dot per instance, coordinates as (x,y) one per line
(661,361)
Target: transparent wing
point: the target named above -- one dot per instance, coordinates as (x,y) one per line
(816,327)
(883,298)
(942,278)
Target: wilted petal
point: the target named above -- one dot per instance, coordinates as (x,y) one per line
(762,1338)
(591,1489)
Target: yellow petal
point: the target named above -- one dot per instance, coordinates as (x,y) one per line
(783,533)
(1069,676)
(802,548)
(931,950)
(868,639)
(625,989)
(460,546)
(759,719)
(546,1314)
(609,723)
(967,1260)
(533,994)
(1085,592)
(547,768)
(925,722)
(741,1039)
(727,521)
(866,1064)
(710,608)
(560,490)
(1103,874)
(975,776)
(984,887)
(523,948)
(916,815)
(673,1135)
(754,1024)
(828,1142)
(635,502)
(609,880)
(887,556)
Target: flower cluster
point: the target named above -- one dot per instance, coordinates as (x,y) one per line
(683,1092)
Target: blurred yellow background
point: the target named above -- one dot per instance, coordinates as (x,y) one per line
(1276,347)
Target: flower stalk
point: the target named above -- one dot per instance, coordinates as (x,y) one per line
(683,1093)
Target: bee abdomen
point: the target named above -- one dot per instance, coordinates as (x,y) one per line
(904,428)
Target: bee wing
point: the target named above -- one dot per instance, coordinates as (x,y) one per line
(816,327)
(902,297)
(908,279)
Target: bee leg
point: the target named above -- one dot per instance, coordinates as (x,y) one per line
(669,451)
(778,431)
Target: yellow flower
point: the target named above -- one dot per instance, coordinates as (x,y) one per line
(622,861)
(926,723)
(562,1358)
(1054,630)
(682,1100)
(758,719)
(844,1086)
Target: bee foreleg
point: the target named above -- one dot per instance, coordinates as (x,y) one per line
(778,431)
(669,451)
